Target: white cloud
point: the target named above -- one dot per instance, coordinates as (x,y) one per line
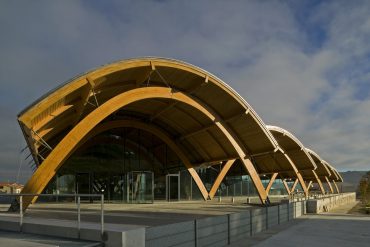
(258,47)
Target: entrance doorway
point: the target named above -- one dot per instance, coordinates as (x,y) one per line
(173,187)
(140,187)
(83,185)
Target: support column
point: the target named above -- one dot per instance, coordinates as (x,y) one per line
(336,187)
(219,178)
(247,163)
(319,183)
(330,187)
(309,185)
(286,187)
(294,185)
(298,174)
(272,180)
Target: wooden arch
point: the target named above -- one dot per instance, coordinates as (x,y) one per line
(67,145)
(158,133)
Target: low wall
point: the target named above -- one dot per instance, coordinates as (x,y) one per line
(326,204)
(211,231)
(222,230)
(112,238)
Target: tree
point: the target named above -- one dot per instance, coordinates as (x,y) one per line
(364,188)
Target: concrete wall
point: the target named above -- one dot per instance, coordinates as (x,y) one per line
(222,230)
(320,205)
(211,231)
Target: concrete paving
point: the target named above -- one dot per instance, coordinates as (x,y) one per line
(336,228)
(159,213)
(15,239)
(323,230)
(117,217)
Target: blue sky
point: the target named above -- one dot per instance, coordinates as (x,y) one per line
(302,65)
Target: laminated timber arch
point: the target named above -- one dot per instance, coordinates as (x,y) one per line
(321,172)
(296,153)
(64,149)
(289,160)
(335,177)
(217,126)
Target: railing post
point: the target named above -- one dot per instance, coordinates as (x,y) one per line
(20,213)
(267,217)
(228,229)
(288,206)
(251,222)
(79,216)
(102,216)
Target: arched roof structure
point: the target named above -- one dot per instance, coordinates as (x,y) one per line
(297,153)
(294,148)
(322,170)
(206,120)
(50,118)
(334,173)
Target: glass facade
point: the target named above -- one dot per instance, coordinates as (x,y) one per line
(129,165)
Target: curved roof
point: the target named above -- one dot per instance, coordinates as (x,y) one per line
(322,170)
(334,173)
(294,148)
(48,120)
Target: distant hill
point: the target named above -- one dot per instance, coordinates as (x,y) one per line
(351,180)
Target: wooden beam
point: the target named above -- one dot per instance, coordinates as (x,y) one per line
(286,187)
(329,184)
(194,132)
(30,142)
(220,178)
(309,185)
(160,112)
(205,128)
(298,174)
(263,154)
(294,185)
(319,182)
(272,180)
(55,114)
(336,187)
(248,165)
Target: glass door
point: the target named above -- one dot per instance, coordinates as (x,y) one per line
(173,187)
(140,187)
(83,185)
(116,188)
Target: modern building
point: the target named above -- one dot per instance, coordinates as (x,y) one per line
(148,129)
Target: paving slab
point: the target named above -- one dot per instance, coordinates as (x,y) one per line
(14,239)
(323,231)
(336,228)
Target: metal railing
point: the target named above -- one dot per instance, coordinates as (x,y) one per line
(78,205)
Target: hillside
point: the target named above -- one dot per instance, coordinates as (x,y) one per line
(351,180)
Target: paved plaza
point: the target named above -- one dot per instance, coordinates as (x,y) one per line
(336,228)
